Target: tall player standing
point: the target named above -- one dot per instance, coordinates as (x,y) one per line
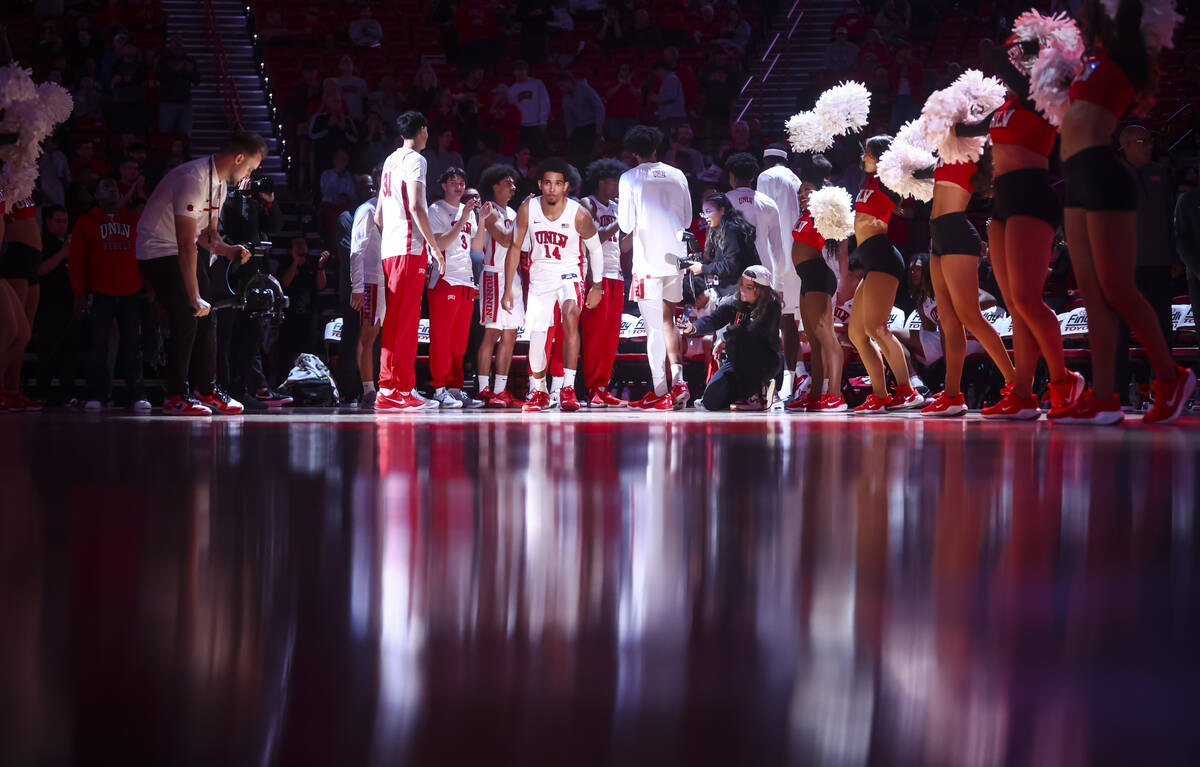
(403,218)
(602,325)
(782,186)
(500,326)
(654,205)
(560,232)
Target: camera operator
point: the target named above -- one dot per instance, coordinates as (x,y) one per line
(249,216)
(182,213)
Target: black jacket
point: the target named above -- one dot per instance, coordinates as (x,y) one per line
(751,346)
(728,262)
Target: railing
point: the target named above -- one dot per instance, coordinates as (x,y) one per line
(794,15)
(1185,109)
(229,91)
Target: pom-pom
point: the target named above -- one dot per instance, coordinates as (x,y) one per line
(913,133)
(1050,80)
(16,84)
(967,100)
(32,112)
(897,166)
(831,212)
(805,133)
(1159,20)
(844,108)
(1058,29)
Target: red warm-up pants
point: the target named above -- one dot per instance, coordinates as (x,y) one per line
(404,278)
(601,333)
(450,310)
(554,345)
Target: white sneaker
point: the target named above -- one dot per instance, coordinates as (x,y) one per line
(554,399)
(93,406)
(427,403)
(142,406)
(466,399)
(447,401)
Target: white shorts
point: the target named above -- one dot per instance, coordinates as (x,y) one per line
(491,313)
(373,308)
(545,295)
(789,287)
(647,288)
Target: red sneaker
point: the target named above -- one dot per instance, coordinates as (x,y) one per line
(219,402)
(597,400)
(679,395)
(831,403)
(904,398)
(661,404)
(537,402)
(397,402)
(1013,408)
(946,406)
(567,401)
(644,402)
(505,400)
(1092,410)
(872,406)
(185,406)
(1170,397)
(802,404)
(484,395)
(27,404)
(611,399)
(1064,394)
(10,403)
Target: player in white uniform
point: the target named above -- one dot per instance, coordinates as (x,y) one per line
(366,293)
(452,300)
(778,182)
(498,186)
(560,232)
(602,325)
(655,204)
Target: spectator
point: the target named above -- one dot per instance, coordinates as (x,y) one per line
(365,31)
(728,247)
(533,16)
(131,184)
(176,155)
(682,155)
(331,128)
(1187,242)
(82,46)
(643,33)
(55,330)
(440,156)
(503,119)
(530,96)
(302,277)
(337,184)
(475,26)
(88,98)
(720,86)
(583,114)
(488,154)
(873,43)
(376,145)
(735,35)
(687,77)
(668,97)
(444,115)
(424,92)
(856,21)
(705,26)
(840,55)
(621,104)
(751,344)
(526,167)
(560,19)
(85,157)
(54,173)
(105,281)
(905,78)
(611,35)
(864,72)
(893,20)
(354,88)
(128,89)
(176,76)
(305,98)
(386,100)
(739,141)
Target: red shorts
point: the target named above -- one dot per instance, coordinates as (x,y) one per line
(371,313)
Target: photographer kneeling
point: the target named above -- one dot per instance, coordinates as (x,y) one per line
(750,317)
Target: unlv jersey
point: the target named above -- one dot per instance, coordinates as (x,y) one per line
(493,254)
(606,215)
(556,247)
(401,170)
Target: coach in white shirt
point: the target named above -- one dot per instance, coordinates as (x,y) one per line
(182,211)
(778,182)
(654,205)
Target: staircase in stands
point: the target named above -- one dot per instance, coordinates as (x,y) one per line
(793,57)
(227,36)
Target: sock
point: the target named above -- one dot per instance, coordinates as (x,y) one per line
(801,369)
(676,374)
(501,383)
(387,392)
(483,382)
(368,387)
(789,383)
(555,384)
(537,384)
(914,381)
(568,379)
(824,387)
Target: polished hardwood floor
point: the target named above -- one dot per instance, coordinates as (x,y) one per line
(598,589)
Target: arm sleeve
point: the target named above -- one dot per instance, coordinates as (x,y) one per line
(1017,82)
(625,193)
(971,130)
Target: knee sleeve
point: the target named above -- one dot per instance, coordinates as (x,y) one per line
(537,352)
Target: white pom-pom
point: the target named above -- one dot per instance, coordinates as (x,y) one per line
(913,132)
(1159,20)
(832,213)
(1058,29)
(967,100)
(32,112)
(16,84)
(805,133)
(56,102)
(844,108)
(1050,80)
(898,164)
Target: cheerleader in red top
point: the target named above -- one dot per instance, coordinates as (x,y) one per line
(18,273)
(818,285)
(872,308)
(955,250)
(1101,206)
(1025,214)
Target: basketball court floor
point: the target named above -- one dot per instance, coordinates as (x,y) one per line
(303,588)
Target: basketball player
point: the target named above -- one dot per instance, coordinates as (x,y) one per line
(452,300)
(559,231)
(498,186)
(655,205)
(782,186)
(366,296)
(403,218)
(602,325)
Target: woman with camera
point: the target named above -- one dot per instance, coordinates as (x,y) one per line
(750,317)
(729,248)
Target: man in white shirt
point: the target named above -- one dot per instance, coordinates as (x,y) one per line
(366,293)
(531,98)
(182,212)
(654,205)
(456,231)
(602,325)
(779,183)
(500,327)
(406,242)
(760,211)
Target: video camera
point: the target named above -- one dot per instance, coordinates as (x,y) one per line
(251,289)
(694,251)
(258,186)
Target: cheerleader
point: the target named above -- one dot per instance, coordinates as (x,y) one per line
(1101,197)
